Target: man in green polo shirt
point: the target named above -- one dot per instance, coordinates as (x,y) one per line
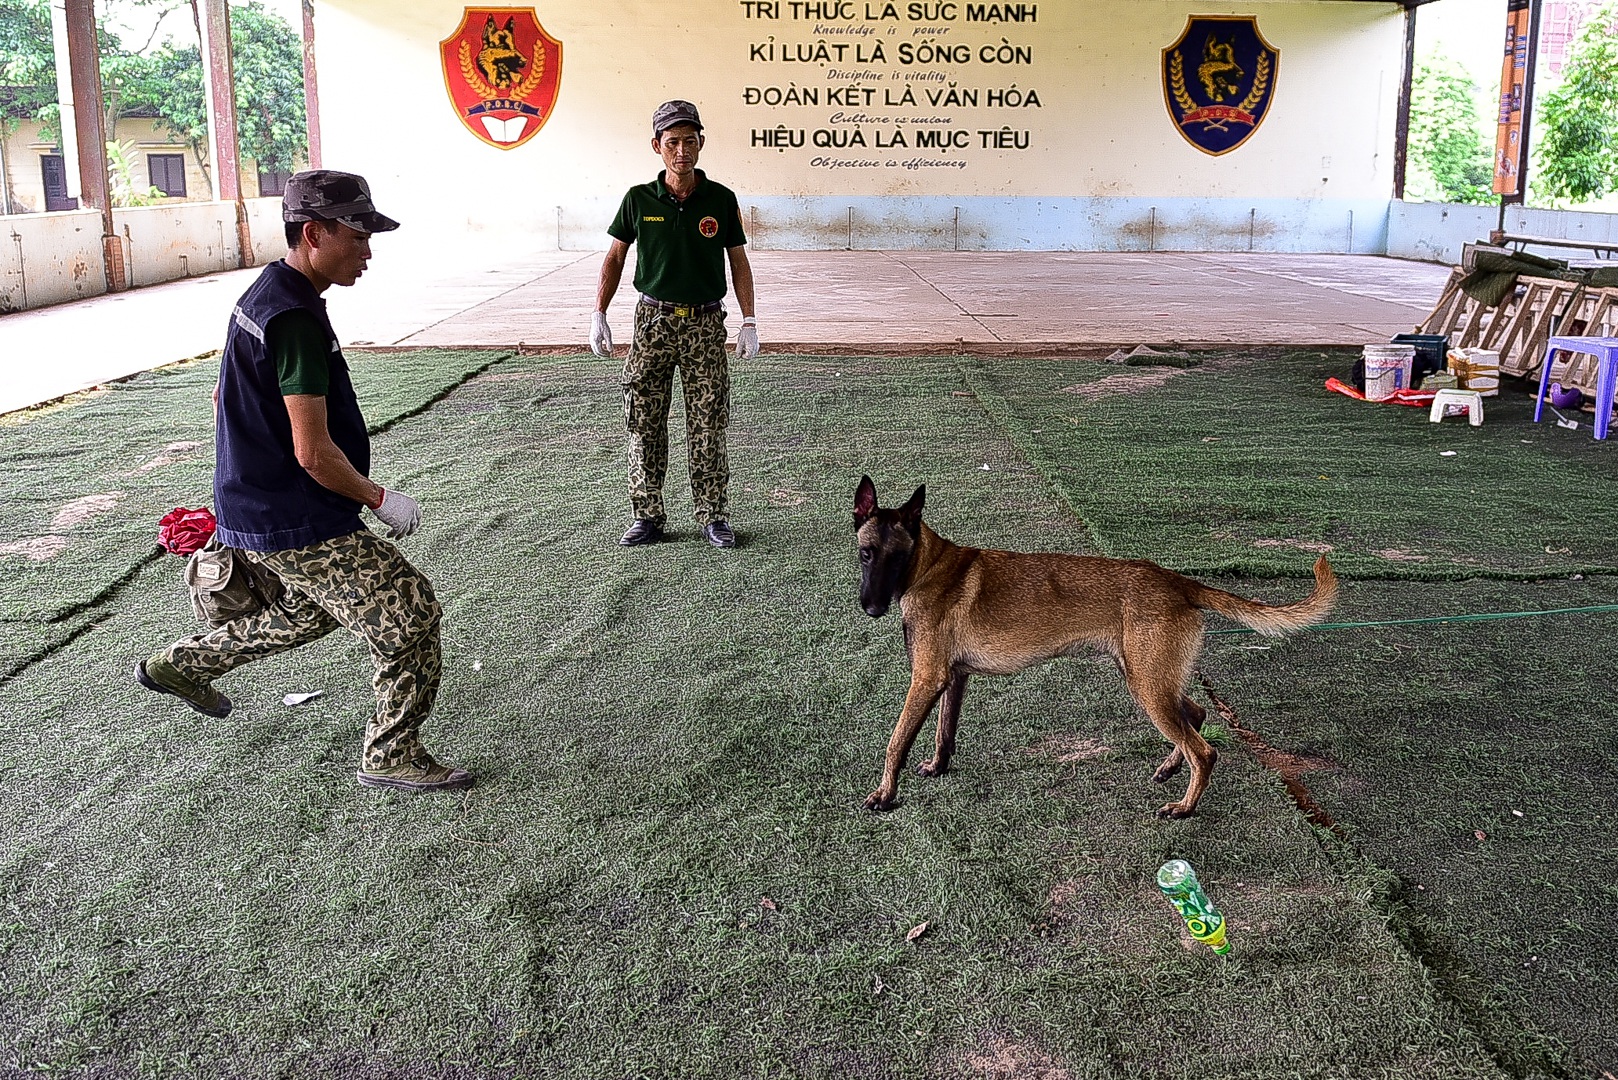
(684,228)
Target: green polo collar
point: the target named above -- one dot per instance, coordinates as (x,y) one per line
(663,191)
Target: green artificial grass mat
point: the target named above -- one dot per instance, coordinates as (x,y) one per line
(665,869)
(84,482)
(1246,464)
(1478,763)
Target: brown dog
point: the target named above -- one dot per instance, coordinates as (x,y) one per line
(969,612)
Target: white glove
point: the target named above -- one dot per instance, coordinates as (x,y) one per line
(747,339)
(399,512)
(600,334)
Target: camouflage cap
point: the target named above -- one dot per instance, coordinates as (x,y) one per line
(672,113)
(328,195)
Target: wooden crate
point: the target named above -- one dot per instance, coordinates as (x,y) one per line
(1540,303)
(1520,326)
(1594,314)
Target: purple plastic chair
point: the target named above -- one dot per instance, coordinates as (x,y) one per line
(1605,350)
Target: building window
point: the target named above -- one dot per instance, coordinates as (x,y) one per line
(272,182)
(167,172)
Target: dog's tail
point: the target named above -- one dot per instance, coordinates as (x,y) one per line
(1273,620)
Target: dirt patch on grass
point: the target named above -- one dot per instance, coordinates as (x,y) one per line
(174,451)
(1399,555)
(1294,765)
(1315,546)
(38,548)
(512,376)
(1289,766)
(1117,385)
(1001,1059)
(1070,749)
(79,511)
(787,497)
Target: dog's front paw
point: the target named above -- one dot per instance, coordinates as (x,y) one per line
(1176,810)
(878,800)
(932,767)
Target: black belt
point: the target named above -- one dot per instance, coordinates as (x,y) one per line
(684,311)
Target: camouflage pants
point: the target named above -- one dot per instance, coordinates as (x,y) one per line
(696,345)
(362,583)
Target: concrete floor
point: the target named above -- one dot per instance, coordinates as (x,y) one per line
(845,301)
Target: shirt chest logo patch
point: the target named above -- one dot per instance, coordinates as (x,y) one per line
(708,226)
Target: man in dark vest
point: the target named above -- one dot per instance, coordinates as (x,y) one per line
(293,458)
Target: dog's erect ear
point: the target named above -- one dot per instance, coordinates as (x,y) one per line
(511,25)
(864,501)
(910,513)
(912,508)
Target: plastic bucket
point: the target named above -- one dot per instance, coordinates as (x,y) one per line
(1387,368)
(1430,350)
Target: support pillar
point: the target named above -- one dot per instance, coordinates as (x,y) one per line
(311,85)
(68,132)
(1401,127)
(221,76)
(95,190)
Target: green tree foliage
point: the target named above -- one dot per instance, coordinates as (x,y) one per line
(269,86)
(269,89)
(28,69)
(167,80)
(1578,147)
(1447,141)
(27,64)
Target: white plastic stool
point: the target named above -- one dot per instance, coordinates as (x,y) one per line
(1469,400)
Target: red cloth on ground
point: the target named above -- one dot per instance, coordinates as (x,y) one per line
(1420,399)
(183,531)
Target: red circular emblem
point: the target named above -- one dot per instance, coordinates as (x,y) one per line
(708,226)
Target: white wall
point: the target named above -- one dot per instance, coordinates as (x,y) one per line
(1102,130)
(1436,232)
(162,243)
(264,225)
(52,258)
(49,258)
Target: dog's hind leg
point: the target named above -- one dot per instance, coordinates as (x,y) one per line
(1162,704)
(1157,663)
(949,715)
(1193,714)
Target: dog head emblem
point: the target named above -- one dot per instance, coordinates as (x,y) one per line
(1219,71)
(499,60)
(887,541)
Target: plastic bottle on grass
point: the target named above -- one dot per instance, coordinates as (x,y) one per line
(1179,883)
